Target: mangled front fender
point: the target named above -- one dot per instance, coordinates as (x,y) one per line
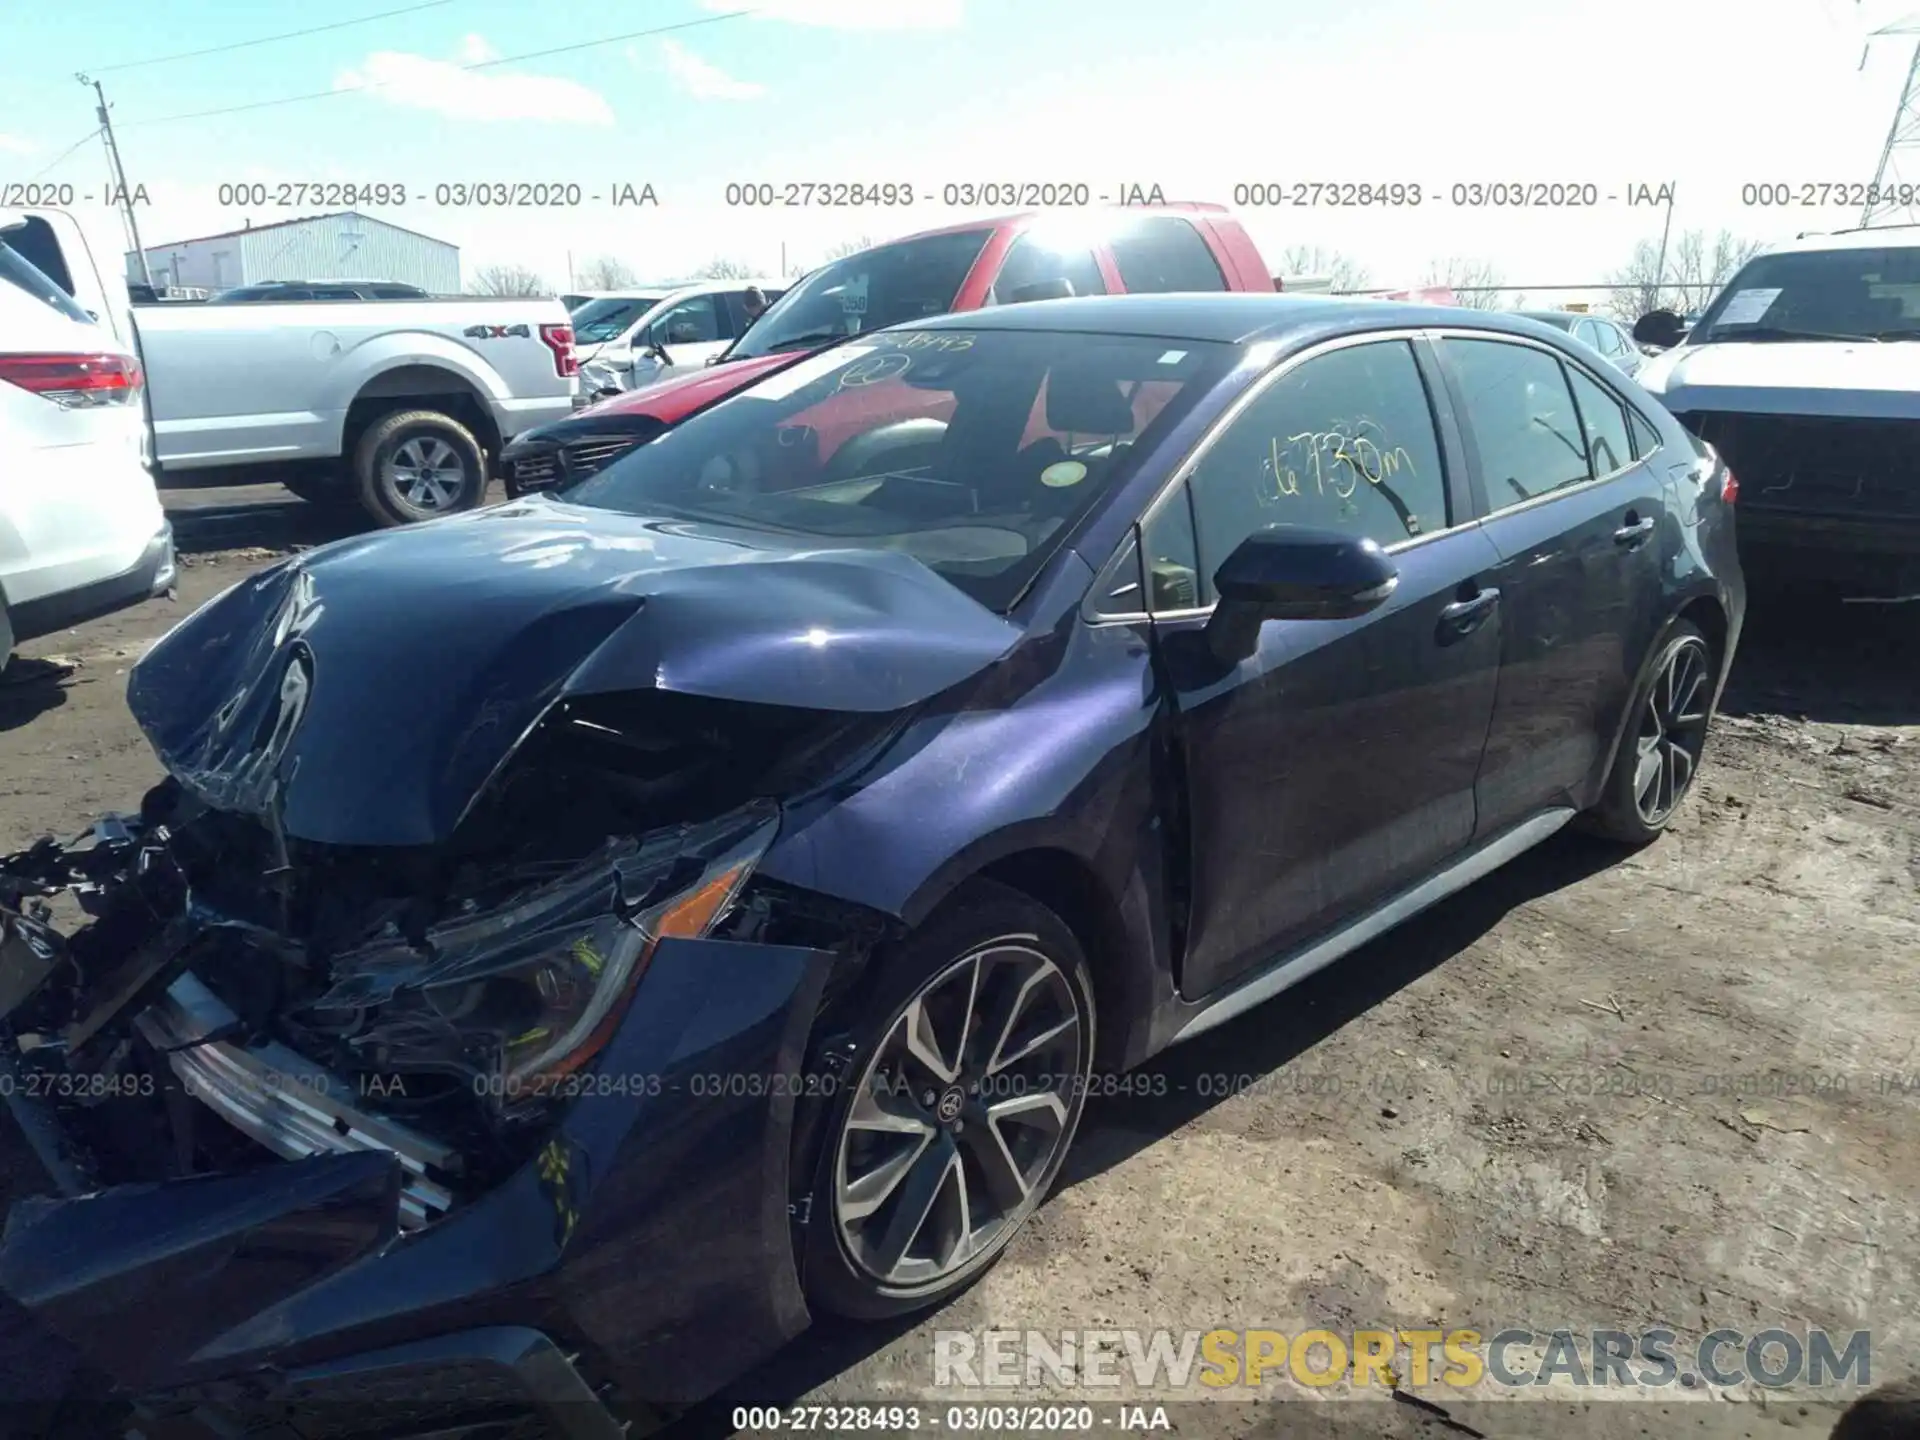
(652,1225)
(366,691)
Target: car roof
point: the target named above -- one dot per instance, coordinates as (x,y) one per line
(1876,237)
(1097,216)
(1227,317)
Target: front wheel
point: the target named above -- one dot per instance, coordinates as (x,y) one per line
(970,1078)
(1660,753)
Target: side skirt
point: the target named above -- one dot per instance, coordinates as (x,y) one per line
(1290,970)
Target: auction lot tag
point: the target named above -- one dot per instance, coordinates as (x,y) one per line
(1747,306)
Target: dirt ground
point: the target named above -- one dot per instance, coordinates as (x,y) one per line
(1679,1087)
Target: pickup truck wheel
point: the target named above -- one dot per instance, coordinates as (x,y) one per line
(418,465)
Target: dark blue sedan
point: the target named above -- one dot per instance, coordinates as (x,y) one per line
(579,940)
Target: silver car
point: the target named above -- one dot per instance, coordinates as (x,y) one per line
(1599,334)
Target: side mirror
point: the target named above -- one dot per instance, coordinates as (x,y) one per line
(1661,329)
(1292,572)
(658,352)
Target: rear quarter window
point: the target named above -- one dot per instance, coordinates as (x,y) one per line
(1164,254)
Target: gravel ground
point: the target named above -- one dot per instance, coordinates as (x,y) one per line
(1678,1087)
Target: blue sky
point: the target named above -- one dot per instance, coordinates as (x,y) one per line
(1194,96)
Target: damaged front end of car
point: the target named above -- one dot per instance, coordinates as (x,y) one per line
(402,1135)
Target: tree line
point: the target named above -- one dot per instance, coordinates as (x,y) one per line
(1693,269)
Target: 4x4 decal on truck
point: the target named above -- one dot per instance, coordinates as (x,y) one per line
(495,332)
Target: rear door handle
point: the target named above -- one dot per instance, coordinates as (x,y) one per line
(1633,531)
(1463,617)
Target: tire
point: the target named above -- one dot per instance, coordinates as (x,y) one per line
(421,453)
(901,1129)
(1659,745)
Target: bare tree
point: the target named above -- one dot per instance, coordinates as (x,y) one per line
(1637,287)
(508,280)
(1696,268)
(604,272)
(851,247)
(724,268)
(1346,273)
(1701,267)
(1472,281)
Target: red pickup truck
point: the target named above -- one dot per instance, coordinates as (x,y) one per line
(1034,256)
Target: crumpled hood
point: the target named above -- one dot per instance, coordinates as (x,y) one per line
(369,688)
(1798,377)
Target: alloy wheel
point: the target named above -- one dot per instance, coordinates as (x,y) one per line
(961,1116)
(426,473)
(1673,731)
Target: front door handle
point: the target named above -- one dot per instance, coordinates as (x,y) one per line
(1463,617)
(1634,531)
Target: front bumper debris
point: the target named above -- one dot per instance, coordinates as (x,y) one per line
(348,1251)
(284,1101)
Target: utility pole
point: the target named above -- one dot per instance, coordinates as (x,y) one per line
(1903,136)
(120,176)
(1660,278)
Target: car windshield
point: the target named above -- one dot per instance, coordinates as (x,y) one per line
(1848,294)
(973,451)
(888,285)
(608,318)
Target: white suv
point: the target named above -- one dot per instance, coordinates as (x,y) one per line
(630,339)
(82,533)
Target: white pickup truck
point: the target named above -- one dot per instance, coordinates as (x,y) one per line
(1804,373)
(402,405)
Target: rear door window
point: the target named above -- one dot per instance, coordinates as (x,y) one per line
(1522,417)
(1163,254)
(1036,270)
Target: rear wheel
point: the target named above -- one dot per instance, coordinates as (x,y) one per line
(417,465)
(1660,753)
(968,1088)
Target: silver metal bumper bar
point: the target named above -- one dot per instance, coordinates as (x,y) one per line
(283,1100)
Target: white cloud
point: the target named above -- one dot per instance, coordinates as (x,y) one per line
(854,14)
(445,87)
(16,144)
(704,80)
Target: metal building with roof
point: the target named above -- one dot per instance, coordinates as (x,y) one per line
(346,245)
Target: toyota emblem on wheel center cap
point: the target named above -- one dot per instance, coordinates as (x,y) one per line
(950,1105)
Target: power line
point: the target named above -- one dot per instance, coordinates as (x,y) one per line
(474,65)
(269,39)
(54,163)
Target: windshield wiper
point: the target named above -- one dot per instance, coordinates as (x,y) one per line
(811,340)
(1776,332)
